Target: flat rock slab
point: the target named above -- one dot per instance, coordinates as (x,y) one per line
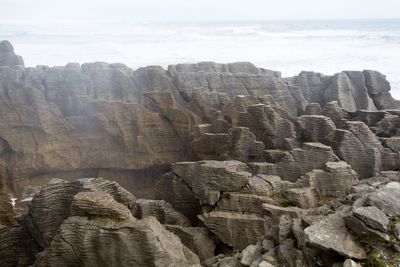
(331,234)
(372,217)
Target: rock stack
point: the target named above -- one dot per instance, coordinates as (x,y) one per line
(201,164)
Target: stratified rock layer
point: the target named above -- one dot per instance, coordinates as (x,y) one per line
(101,119)
(299,171)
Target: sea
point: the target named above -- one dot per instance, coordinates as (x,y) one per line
(326,46)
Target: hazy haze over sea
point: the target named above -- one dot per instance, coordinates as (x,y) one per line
(288,46)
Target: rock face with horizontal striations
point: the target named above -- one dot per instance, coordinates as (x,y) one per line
(208,178)
(82,223)
(235,229)
(199,162)
(53,118)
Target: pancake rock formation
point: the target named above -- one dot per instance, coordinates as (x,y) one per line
(201,164)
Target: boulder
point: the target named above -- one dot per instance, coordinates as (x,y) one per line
(386,199)
(372,217)
(250,254)
(331,234)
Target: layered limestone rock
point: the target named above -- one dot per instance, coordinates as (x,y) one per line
(90,222)
(298,171)
(134,243)
(207,179)
(54,118)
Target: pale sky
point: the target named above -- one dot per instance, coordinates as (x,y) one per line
(165,10)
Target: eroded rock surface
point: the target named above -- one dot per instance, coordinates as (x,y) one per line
(299,171)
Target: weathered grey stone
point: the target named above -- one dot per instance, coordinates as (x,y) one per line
(98,204)
(331,234)
(265,264)
(336,181)
(267,244)
(359,147)
(349,89)
(387,199)
(316,128)
(350,263)
(242,202)
(313,109)
(372,217)
(304,198)
(141,242)
(235,229)
(362,231)
(378,89)
(176,192)
(275,212)
(208,178)
(250,254)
